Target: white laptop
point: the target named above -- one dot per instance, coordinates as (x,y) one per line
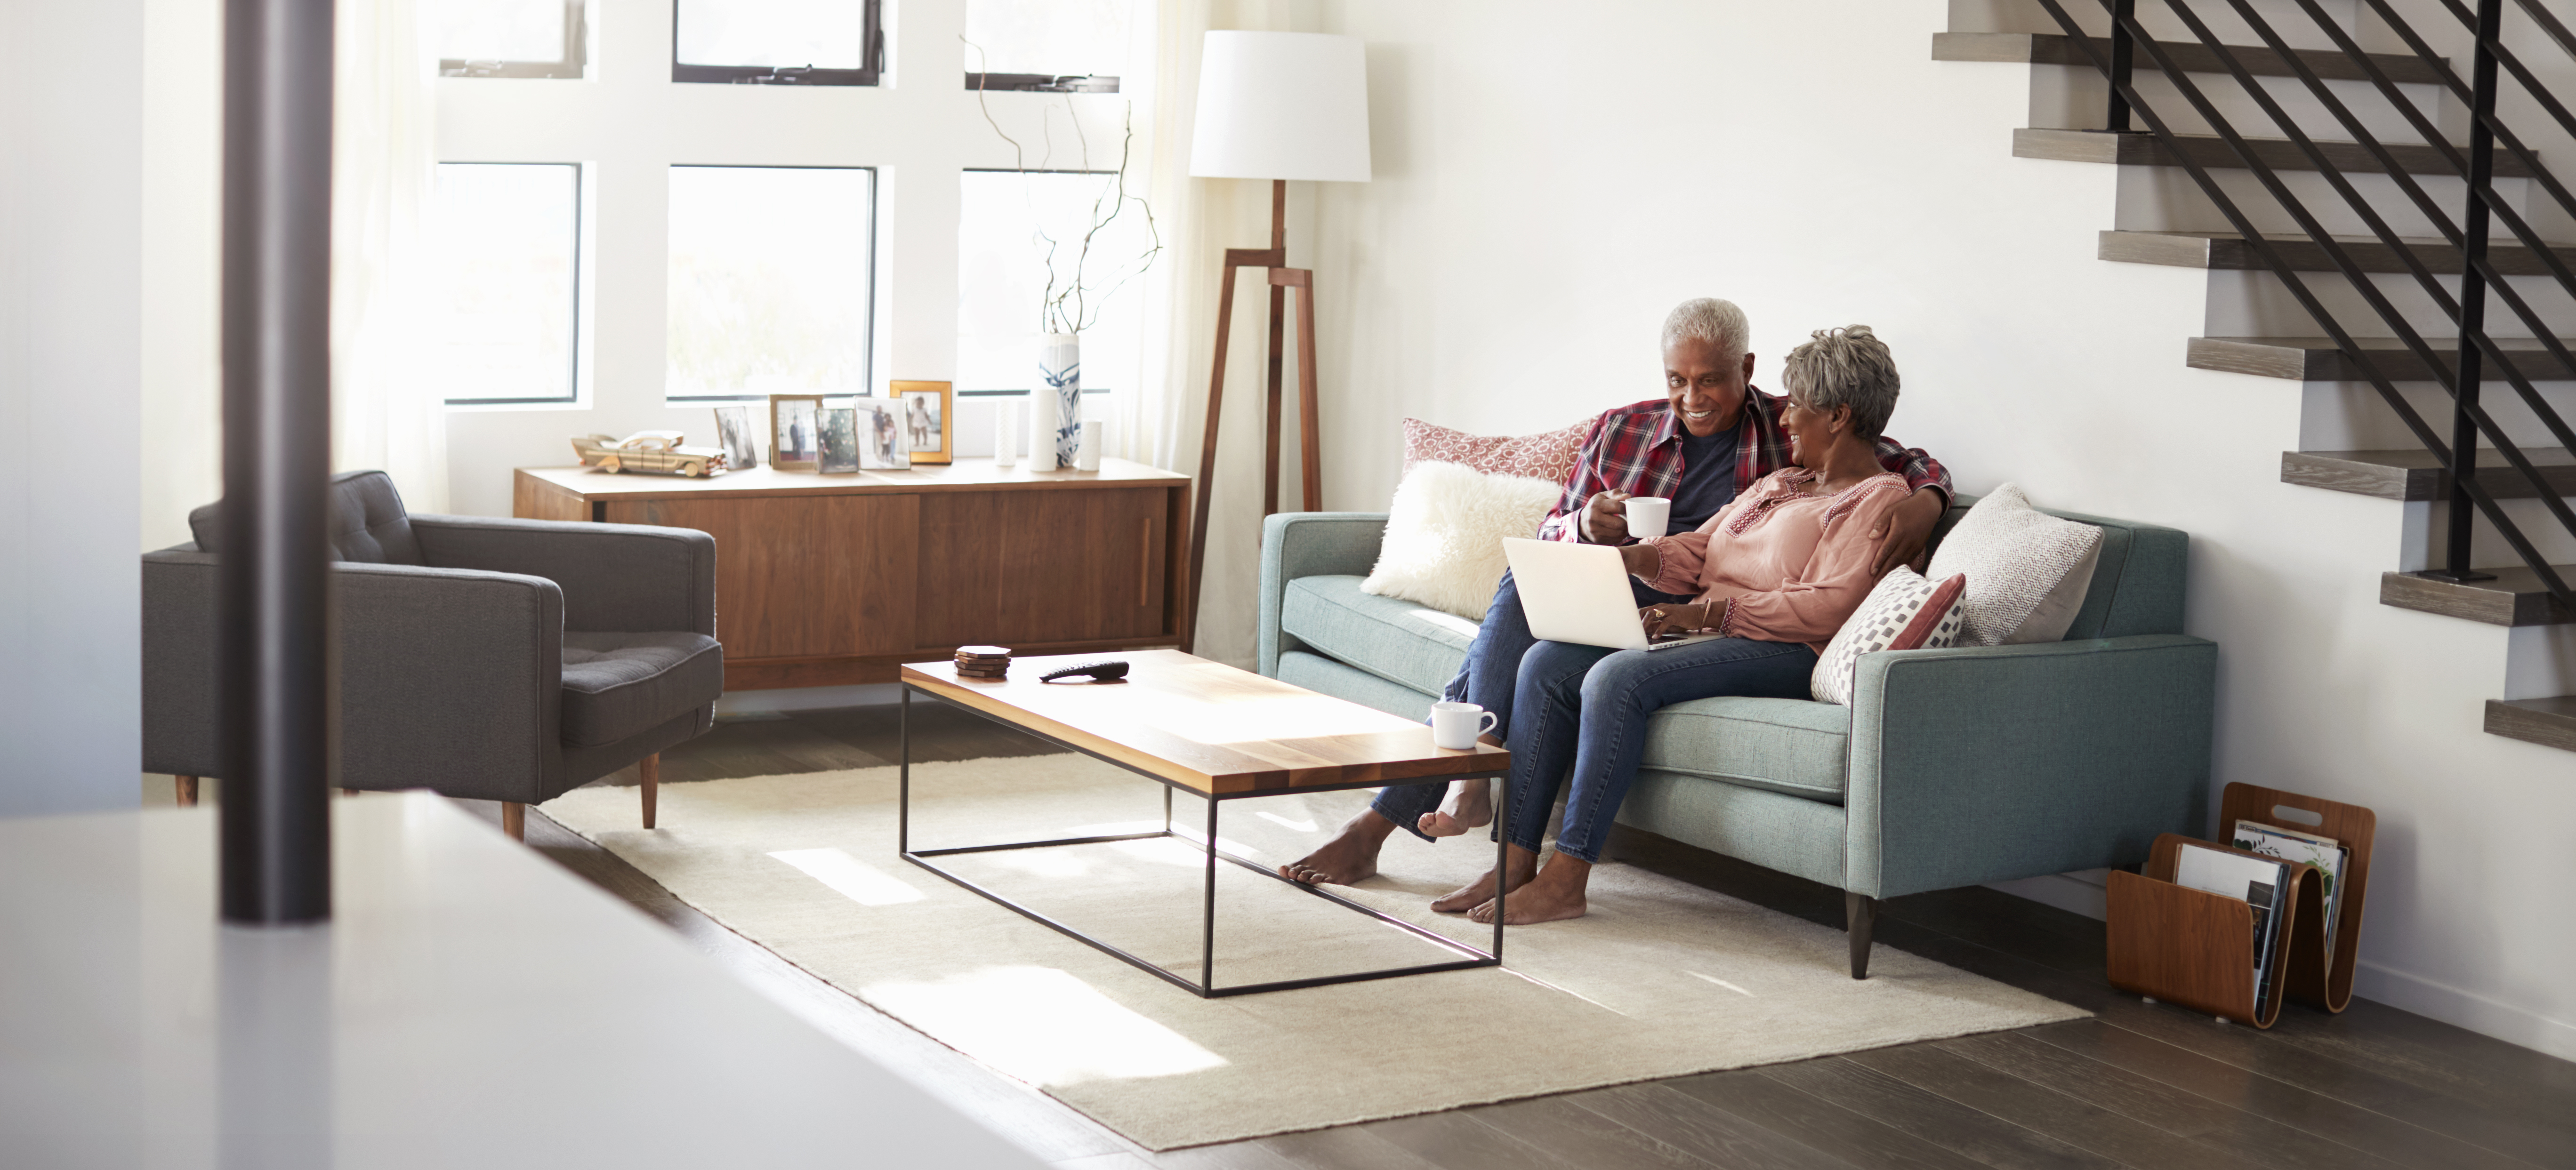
(1579,593)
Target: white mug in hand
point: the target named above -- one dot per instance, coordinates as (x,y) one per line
(1648,515)
(1456,725)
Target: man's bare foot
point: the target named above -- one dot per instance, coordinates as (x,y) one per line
(1350,857)
(1519,865)
(1470,806)
(1556,893)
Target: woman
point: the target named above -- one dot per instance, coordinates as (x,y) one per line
(1775,573)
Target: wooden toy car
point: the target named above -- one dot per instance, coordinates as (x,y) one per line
(658,452)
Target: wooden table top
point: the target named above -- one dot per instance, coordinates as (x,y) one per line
(963,475)
(1212,728)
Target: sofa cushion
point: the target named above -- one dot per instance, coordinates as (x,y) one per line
(1401,641)
(368,523)
(1791,746)
(617,685)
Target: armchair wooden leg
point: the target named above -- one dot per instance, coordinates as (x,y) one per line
(184,789)
(514,820)
(1860,912)
(650,770)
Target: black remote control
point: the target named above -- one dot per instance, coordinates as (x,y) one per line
(1110,671)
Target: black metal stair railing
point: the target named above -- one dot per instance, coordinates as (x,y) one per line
(2477,351)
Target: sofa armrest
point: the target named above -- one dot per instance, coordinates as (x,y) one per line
(450,679)
(1309,544)
(628,577)
(1988,763)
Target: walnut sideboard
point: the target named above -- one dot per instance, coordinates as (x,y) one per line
(824,580)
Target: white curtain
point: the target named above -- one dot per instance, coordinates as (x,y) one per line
(387,411)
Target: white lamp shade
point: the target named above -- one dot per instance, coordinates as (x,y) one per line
(1276,105)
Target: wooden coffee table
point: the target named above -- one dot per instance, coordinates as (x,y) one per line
(1224,734)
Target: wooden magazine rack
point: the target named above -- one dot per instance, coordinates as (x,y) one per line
(2196,948)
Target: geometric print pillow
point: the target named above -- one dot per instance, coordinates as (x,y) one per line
(1548,456)
(1905,612)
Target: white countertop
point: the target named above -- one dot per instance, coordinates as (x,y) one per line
(471,1004)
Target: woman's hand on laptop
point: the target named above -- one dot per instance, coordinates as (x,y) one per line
(1673,619)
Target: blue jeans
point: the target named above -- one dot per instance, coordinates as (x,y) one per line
(1488,678)
(1584,708)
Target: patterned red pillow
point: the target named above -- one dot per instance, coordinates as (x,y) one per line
(1548,456)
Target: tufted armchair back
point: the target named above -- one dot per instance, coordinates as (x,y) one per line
(368,524)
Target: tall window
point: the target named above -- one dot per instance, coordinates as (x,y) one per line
(510,258)
(777,42)
(1055,46)
(510,38)
(1016,228)
(771,281)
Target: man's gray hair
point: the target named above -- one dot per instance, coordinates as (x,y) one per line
(1845,367)
(1711,320)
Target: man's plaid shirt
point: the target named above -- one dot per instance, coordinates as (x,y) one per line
(1637,449)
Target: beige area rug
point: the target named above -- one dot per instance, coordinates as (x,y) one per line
(1661,979)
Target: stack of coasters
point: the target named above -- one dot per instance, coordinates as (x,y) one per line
(986,662)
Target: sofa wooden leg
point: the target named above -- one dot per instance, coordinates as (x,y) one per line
(184,790)
(650,769)
(1860,912)
(514,820)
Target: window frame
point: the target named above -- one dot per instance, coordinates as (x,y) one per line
(576,388)
(574,67)
(1041,83)
(876,260)
(869,72)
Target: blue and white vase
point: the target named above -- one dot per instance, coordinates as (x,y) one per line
(1060,365)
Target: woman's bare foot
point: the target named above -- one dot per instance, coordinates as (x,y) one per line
(1470,806)
(1350,857)
(1556,893)
(1518,866)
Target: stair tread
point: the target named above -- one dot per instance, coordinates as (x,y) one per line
(2550,722)
(2415,475)
(2229,251)
(2060,49)
(2138,148)
(2514,598)
(2315,359)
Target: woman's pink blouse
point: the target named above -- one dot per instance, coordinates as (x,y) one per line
(1790,567)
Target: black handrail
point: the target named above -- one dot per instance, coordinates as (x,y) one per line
(2477,352)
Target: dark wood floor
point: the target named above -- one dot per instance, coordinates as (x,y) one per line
(2146,1086)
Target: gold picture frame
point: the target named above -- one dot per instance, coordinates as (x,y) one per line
(795,431)
(934,438)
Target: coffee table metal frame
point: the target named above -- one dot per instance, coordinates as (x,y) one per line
(1205,987)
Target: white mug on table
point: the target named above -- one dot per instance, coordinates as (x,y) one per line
(1456,725)
(1648,515)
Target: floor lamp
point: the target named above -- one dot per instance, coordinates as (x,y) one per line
(1274,106)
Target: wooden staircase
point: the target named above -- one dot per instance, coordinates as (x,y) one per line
(2515,597)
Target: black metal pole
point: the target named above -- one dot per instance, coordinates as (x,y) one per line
(2456,553)
(275,586)
(2121,46)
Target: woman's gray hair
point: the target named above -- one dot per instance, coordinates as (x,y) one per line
(1845,367)
(1711,320)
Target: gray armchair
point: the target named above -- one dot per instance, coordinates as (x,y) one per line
(507,660)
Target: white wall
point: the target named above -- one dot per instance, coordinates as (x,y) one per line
(70,289)
(1551,178)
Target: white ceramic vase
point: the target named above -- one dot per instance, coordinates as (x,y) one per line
(1006,434)
(1058,400)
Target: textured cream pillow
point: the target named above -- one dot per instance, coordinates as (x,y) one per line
(2027,571)
(1444,535)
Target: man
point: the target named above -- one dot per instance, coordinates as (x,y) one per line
(1711,436)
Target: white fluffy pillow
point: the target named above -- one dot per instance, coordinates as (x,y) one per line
(1444,535)
(2027,571)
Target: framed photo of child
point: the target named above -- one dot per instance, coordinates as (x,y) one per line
(927,417)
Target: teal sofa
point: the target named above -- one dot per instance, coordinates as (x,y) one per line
(1950,768)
